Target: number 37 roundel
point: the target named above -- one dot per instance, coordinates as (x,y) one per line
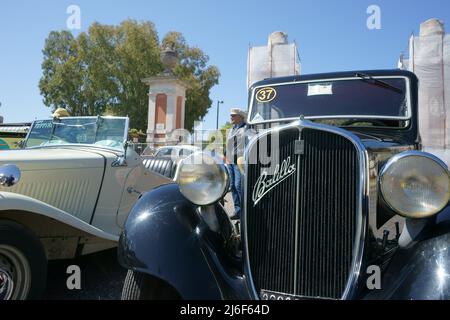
(266,94)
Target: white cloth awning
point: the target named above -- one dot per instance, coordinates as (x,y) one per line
(14,129)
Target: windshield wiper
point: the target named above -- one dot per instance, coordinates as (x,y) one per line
(54,124)
(379,83)
(98,123)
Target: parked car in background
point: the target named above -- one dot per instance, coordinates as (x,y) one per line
(166,159)
(340,202)
(67,193)
(178,151)
(148,151)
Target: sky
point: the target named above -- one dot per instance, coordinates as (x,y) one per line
(331,36)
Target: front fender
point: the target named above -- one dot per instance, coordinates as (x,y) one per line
(420,271)
(26,205)
(164,236)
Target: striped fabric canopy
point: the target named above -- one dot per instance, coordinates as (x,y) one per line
(14,128)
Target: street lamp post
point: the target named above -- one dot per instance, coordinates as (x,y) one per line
(218,104)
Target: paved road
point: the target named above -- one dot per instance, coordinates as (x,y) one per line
(101,278)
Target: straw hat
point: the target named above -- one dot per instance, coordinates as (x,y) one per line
(60,113)
(239,112)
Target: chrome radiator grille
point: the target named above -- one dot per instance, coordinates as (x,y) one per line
(301,234)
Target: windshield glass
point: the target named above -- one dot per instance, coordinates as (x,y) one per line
(101,131)
(348,98)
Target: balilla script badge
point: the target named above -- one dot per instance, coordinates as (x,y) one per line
(264,185)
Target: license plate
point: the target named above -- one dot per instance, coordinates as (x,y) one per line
(271,295)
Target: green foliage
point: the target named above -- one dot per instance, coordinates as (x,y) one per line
(225,127)
(194,70)
(213,143)
(135,133)
(100,72)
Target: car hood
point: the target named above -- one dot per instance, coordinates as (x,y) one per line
(383,143)
(52,158)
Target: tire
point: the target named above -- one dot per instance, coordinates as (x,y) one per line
(140,286)
(23,263)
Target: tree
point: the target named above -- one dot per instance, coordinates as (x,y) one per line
(135,133)
(61,83)
(226,127)
(222,135)
(193,68)
(100,72)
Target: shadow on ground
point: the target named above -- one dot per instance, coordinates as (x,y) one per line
(102,278)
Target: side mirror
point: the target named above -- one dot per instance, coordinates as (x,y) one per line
(9,175)
(121,160)
(21,144)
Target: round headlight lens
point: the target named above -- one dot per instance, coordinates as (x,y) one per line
(415,184)
(202,179)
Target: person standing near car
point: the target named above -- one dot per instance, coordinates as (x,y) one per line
(61,113)
(235,150)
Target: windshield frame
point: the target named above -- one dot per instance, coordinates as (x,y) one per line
(95,118)
(405,118)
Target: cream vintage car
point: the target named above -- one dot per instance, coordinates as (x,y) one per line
(66,193)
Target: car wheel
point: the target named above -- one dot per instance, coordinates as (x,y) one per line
(23,263)
(140,286)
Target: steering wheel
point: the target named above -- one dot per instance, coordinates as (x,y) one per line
(108,143)
(373,121)
(55,140)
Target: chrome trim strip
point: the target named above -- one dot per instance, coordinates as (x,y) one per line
(297,213)
(125,134)
(362,206)
(78,145)
(410,153)
(408,94)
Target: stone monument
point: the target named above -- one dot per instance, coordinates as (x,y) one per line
(166,104)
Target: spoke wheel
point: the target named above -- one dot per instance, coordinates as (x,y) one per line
(15,274)
(23,263)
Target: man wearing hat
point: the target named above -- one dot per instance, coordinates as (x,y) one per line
(235,150)
(61,113)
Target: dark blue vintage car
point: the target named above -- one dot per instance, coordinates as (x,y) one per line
(340,202)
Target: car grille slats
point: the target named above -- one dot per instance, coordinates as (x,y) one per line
(301,235)
(271,235)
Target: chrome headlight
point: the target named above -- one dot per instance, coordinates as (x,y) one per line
(415,184)
(203,179)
